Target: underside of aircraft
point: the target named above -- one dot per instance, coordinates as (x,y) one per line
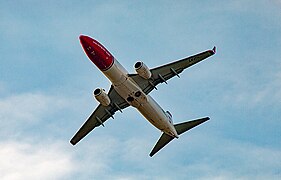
(133,90)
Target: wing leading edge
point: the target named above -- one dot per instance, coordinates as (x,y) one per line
(100,115)
(163,73)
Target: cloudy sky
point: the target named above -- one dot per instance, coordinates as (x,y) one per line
(46,84)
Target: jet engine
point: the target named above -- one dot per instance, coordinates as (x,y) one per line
(142,70)
(102,97)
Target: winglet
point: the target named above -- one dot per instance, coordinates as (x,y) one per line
(214,50)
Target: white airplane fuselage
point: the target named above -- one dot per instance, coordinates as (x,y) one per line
(126,86)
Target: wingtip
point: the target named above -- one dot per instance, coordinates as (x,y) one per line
(151,154)
(214,49)
(72,142)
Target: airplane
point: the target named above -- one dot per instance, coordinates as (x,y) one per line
(133,90)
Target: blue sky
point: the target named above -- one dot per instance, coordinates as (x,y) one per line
(46,84)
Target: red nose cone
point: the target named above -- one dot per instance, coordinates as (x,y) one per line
(96,52)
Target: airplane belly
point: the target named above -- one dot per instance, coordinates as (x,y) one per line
(116,74)
(134,95)
(131,93)
(154,114)
(144,103)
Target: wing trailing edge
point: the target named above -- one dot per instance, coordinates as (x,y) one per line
(180,128)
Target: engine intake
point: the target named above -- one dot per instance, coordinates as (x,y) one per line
(102,97)
(142,70)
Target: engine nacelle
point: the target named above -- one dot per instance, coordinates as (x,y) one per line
(142,70)
(101,97)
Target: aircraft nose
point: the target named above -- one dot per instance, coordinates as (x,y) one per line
(83,39)
(96,52)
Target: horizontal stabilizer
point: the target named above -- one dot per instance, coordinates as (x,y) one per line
(183,127)
(163,141)
(180,128)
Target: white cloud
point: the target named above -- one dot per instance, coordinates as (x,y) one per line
(24,109)
(27,107)
(220,158)
(96,159)
(200,157)
(34,161)
(30,113)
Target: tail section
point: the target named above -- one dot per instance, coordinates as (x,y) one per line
(180,128)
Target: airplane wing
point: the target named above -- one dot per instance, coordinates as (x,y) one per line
(100,115)
(163,73)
